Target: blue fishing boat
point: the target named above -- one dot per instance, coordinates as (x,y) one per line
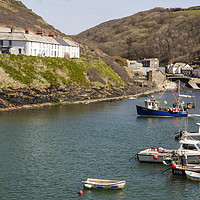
(152,109)
(179,109)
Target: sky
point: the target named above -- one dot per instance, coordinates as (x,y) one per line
(75,16)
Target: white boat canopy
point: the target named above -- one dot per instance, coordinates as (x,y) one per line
(186,96)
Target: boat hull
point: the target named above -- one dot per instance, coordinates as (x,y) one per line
(180,171)
(148,156)
(142,111)
(195,176)
(103,184)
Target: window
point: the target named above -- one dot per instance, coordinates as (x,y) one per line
(20,51)
(10,42)
(1,42)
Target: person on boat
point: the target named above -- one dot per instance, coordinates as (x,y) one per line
(183,161)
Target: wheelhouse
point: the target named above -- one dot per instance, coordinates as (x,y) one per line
(151,104)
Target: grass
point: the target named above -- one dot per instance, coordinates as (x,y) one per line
(30,70)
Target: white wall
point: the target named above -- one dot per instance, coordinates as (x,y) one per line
(42,49)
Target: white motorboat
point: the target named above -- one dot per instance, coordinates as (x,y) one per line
(191,148)
(195,176)
(103,184)
(185,134)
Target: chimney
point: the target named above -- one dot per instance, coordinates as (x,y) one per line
(51,35)
(12,30)
(40,32)
(27,31)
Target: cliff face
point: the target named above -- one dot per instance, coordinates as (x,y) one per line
(170,35)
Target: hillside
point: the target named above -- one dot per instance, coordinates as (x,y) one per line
(28,80)
(168,34)
(16,14)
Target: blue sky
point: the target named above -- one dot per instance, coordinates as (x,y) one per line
(75,16)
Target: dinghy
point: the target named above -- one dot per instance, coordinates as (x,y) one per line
(195,176)
(103,184)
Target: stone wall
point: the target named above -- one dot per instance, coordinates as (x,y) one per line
(156,76)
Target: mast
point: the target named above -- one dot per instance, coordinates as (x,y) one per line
(179,87)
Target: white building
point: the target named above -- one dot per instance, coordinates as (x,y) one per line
(179,68)
(26,43)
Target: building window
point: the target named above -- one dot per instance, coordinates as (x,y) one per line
(10,42)
(1,42)
(20,51)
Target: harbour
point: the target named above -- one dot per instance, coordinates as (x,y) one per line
(46,153)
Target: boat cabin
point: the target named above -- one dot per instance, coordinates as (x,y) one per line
(193,145)
(151,104)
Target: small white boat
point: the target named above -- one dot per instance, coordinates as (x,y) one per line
(191,148)
(132,98)
(103,184)
(195,176)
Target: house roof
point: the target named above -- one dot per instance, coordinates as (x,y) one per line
(17,35)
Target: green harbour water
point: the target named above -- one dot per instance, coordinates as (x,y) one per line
(46,153)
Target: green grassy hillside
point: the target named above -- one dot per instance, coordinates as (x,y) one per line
(58,72)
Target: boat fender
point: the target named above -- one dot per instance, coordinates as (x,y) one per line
(99,186)
(174,165)
(153,148)
(161,150)
(155,157)
(189,106)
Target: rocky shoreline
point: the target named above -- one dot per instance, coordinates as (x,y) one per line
(30,98)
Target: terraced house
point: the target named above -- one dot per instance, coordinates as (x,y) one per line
(26,43)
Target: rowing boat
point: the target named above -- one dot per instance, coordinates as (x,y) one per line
(103,184)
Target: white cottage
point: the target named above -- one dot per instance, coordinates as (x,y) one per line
(26,43)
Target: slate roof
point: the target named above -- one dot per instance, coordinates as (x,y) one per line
(17,35)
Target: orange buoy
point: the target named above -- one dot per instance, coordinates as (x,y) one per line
(174,165)
(80,192)
(155,156)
